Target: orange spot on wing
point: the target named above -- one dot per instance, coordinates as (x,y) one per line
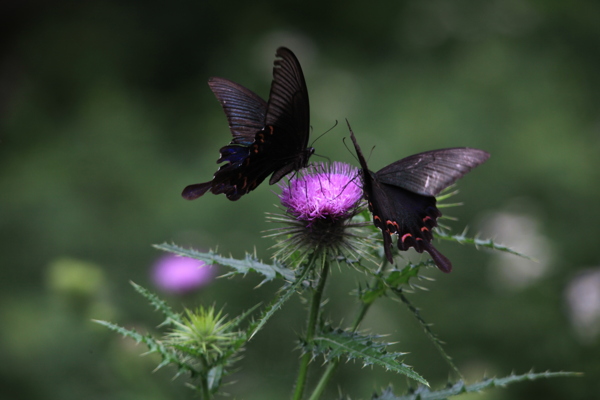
(392,225)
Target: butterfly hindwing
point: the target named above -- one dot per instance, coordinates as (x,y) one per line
(409,215)
(269,138)
(401,196)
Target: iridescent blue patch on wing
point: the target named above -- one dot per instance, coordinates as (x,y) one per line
(234,154)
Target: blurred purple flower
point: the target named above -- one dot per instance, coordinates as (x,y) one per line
(177,274)
(323,192)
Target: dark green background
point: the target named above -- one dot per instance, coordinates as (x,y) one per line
(106,116)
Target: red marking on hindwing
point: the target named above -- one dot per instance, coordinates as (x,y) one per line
(392,225)
(405,236)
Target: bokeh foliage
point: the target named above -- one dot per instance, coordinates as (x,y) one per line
(105,116)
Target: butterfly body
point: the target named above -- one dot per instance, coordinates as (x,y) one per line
(401,196)
(269,138)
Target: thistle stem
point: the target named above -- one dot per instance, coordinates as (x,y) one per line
(205,395)
(313,317)
(332,366)
(205,391)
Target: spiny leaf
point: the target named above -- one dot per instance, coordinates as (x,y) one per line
(392,280)
(396,278)
(489,243)
(159,304)
(248,264)
(372,292)
(336,343)
(428,332)
(154,346)
(424,393)
(277,303)
(235,322)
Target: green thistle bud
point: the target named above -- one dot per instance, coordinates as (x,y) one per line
(204,334)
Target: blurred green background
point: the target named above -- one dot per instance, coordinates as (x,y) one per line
(106,116)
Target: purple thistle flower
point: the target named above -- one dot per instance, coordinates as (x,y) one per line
(320,202)
(177,274)
(323,192)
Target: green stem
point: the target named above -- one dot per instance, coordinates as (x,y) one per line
(332,366)
(313,317)
(322,384)
(205,392)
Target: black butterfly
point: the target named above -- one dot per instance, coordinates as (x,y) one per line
(268,138)
(401,196)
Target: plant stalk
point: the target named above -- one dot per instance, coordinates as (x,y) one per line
(313,317)
(205,391)
(332,366)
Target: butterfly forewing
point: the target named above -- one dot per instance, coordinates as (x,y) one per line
(288,107)
(431,172)
(288,116)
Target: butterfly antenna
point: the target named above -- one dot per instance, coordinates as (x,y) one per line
(320,136)
(324,133)
(325,157)
(353,154)
(349,150)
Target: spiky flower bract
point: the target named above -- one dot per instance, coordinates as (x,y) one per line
(205,334)
(320,202)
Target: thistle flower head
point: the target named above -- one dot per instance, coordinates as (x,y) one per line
(320,202)
(323,192)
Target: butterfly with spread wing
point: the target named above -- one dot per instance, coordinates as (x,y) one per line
(269,138)
(401,196)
